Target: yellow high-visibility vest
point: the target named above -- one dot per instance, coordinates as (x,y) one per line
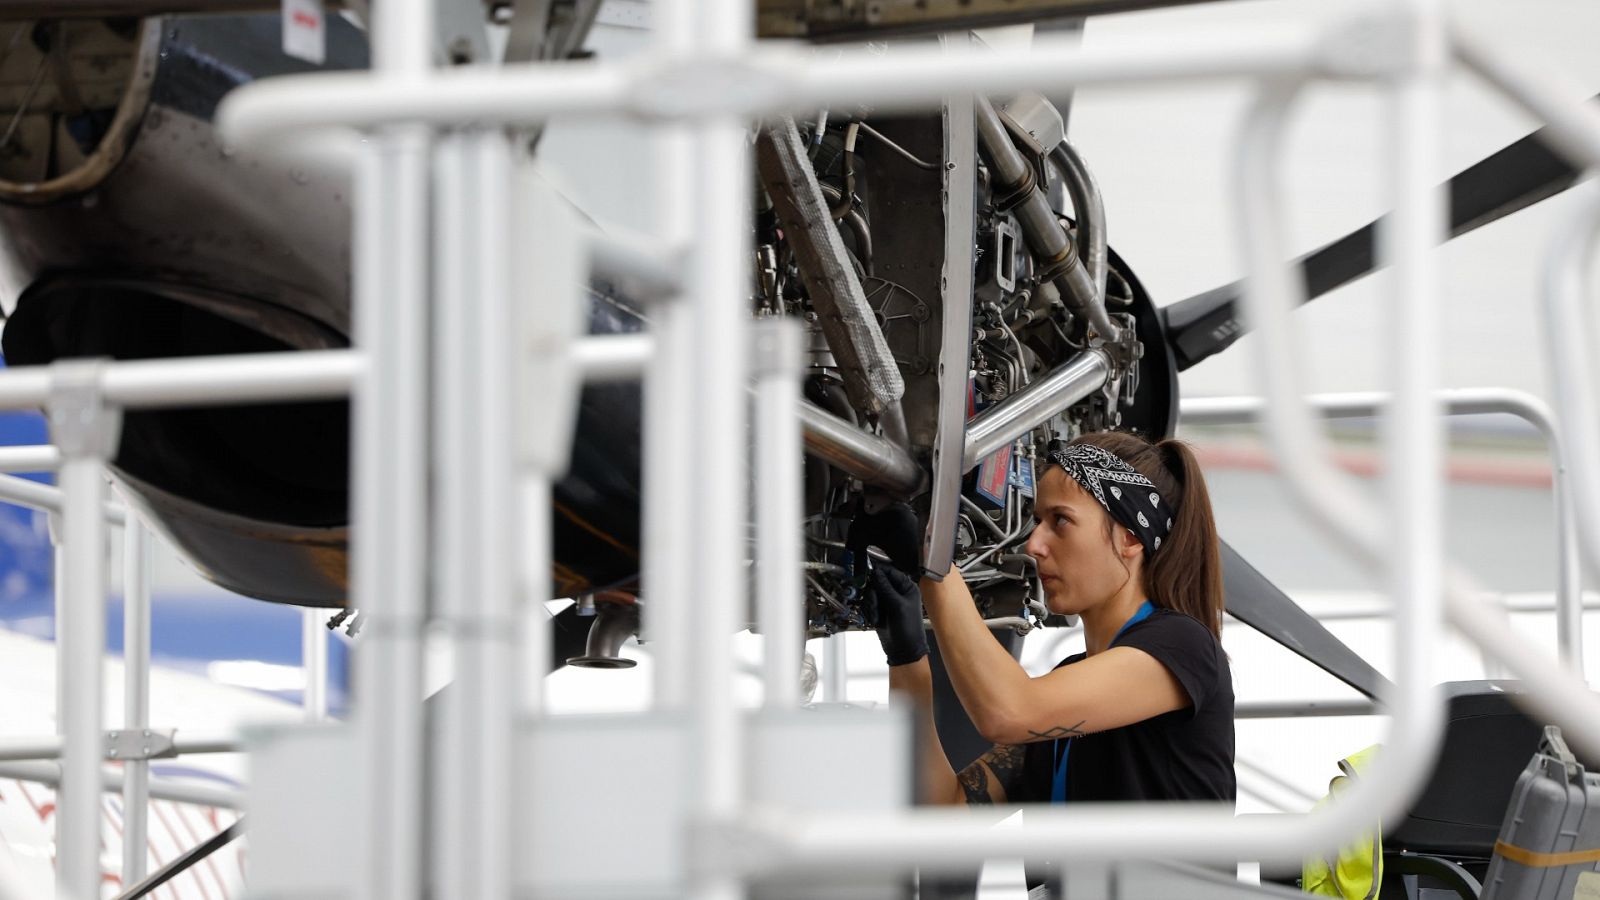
(1355,874)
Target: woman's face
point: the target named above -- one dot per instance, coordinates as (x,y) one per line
(1081,562)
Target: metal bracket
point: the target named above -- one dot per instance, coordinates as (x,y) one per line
(82,424)
(141,743)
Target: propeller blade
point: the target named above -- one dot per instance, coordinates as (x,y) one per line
(1257,602)
(1511,179)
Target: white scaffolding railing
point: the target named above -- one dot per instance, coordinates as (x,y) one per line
(1458,402)
(699,90)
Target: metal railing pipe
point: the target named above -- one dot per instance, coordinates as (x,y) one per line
(1460,401)
(111,781)
(30,458)
(1568,337)
(49,498)
(1034,405)
(612,358)
(773,80)
(1306,709)
(201,381)
(670,507)
(780,507)
(389,500)
(19,749)
(135,695)
(873,459)
(717,277)
(80,648)
(314,660)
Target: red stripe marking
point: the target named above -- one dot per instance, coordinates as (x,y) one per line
(1503,473)
(192,874)
(304,19)
(182,813)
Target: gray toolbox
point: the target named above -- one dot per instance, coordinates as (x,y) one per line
(1549,843)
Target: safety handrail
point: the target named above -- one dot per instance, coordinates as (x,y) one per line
(1458,401)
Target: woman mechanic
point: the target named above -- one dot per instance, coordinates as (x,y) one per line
(1126,541)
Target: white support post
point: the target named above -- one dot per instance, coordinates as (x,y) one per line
(135,695)
(86,431)
(836,670)
(389,565)
(669,506)
(475,431)
(780,507)
(314,660)
(717,285)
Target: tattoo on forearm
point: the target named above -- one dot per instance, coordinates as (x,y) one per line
(975,784)
(1006,762)
(1061,731)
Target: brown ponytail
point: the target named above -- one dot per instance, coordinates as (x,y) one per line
(1186,573)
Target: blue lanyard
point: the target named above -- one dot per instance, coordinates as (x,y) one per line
(1062,748)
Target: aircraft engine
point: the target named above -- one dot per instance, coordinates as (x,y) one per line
(128,231)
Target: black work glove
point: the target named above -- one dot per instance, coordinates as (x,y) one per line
(893,530)
(899,615)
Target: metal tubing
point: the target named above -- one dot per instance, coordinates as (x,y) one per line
(389,569)
(718,279)
(873,459)
(135,695)
(1306,709)
(474,345)
(836,671)
(780,506)
(1568,337)
(37,458)
(201,381)
(111,781)
(314,659)
(49,498)
(1089,208)
(1047,239)
(719,172)
(622,357)
(80,645)
(1461,401)
(1034,405)
(775,80)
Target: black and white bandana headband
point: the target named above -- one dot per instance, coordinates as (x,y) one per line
(1129,497)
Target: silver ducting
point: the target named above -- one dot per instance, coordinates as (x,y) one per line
(613,624)
(875,460)
(1090,210)
(855,337)
(1017,188)
(1034,405)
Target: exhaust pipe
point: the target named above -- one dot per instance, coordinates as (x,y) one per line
(613,624)
(875,460)
(1034,405)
